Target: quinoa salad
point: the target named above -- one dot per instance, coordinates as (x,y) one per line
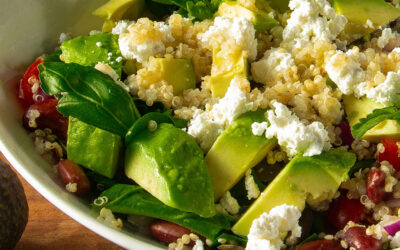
(212,124)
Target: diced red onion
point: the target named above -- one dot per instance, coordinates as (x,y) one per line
(345,135)
(392,228)
(393,203)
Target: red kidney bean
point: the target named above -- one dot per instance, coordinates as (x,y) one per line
(321,245)
(344,210)
(356,237)
(48,117)
(376,185)
(167,232)
(71,173)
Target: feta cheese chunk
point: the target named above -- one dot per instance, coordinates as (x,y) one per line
(251,186)
(310,21)
(238,31)
(144,39)
(346,71)
(122,27)
(206,126)
(266,230)
(293,135)
(272,66)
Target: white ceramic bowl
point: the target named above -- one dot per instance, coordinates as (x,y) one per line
(29,28)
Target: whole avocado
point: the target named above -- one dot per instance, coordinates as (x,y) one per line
(13,208)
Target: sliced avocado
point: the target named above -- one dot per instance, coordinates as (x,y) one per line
(236,150)
(116,10)
(90,50)
(303,177)
(260,19)
(358,12)
(280,5)
(93,148)
(177,72)
(169,164)
(224,68)
(359,108)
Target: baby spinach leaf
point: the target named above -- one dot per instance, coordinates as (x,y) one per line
(132,199)
(53,57)
(199,9)
(89,95)
(90,50)
(377,116)
(360,165)
(142,123)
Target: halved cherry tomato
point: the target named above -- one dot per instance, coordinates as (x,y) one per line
(48,117)
(391,153)
(344,210)
(29,87)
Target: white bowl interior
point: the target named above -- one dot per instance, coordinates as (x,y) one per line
(29,28)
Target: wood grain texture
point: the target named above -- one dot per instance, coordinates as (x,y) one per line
(49,228)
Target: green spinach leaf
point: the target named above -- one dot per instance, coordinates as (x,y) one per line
(90,50)
(199,9)
(53,57)
(89,95)
(377,116)
(132,199)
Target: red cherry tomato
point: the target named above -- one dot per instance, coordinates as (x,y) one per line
(344,210)
(376,185)
(47,117)
(391,153)
(29,87)
(357,237)
(320,245)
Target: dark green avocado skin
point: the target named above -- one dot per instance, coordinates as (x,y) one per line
(13,208)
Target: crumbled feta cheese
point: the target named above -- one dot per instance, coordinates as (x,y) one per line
(145,39)
(310,21)
(229,203)
(385,37)
(346,71)
(275,61)
(238,31)
(251,187)
(206,126)
(258,128)
(63,37)
(292,134)
(395,242)
(266,230)
(122,27)
(198,245)
(106,216)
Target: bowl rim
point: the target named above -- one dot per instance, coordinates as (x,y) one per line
(122,238)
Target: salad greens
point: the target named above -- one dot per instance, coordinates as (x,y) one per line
(132,199)
(89,50)
(89,95)
(373,119)
(199,9)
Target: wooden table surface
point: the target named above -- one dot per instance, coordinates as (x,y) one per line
(49,228)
